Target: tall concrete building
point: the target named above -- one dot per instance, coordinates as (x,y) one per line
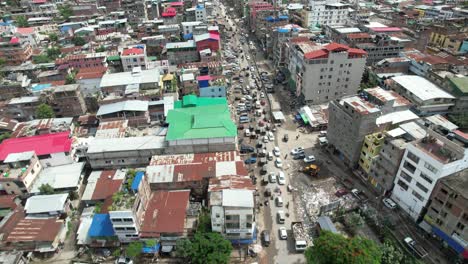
(325,73)
(353,118)
(325,12)
(448,211)
(425,162)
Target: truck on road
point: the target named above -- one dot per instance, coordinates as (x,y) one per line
(417,249)
(300,236)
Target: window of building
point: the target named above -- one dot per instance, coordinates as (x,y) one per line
(128,220)
(439,222)
(426,178)
(406,176)
(430,167)
(444,191)
(417,195)
(120,228)
(443,214)
(435,210)
(460,226)
(448,205)
(409,167)
(232,225)
(402,185)
(131,229)
(413,157)
(422,187)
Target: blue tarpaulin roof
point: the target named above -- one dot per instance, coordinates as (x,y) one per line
(188,36)
(283,17)
(149,250)
(245,241)
(136,182)
(101,226)
(283,30)
(40,87)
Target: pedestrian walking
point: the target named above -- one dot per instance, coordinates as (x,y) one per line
(286,156)
(297,137)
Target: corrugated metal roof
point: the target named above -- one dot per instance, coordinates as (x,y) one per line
(45,203)
(59,177)
(22,156)
(326,224)
(238,198)
(133,105)
(100,145)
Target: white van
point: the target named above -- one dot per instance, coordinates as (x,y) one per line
(247,132)
(270,136)
(258,105)
(280,217)
(279,201)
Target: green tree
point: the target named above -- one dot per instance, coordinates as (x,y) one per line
(391,254)
(353,221)
(70,79)
(44,111)
(101,49)
(22,21)
(4,136)
(65,11)
(46,189)
(53,37)
(78,41)
(98,208)
(205,248)
(332,248)
(116,253)
(41,59)
(134,249)
(204,222)
(53,53)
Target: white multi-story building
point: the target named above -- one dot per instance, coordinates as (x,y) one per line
(125,225)
(134,56)
(325,73)
(325,12)
(188,26)
(232,213)
(425,162)
(200,13)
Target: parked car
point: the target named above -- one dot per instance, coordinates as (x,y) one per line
(279,163)
(276,152)
(285,138)
(272,177)
(299,156)
(251,160)
(283,234)
(246,149)
(389,203)
(281,178)
(341,192)
(309,159)
(279,201)
(297,151)
(270,135)
(265,139)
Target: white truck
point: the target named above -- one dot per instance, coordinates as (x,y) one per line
(417,249)
(300,236)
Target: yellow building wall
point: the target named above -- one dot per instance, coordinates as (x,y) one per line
(370,149)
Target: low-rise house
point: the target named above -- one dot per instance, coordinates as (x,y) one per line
(135,111)
(145,81)
(80,61)
(19,172)
(134,56)
(43,126)
(22,108)
(63,178)
(192,171)
(67,101)
(101,233)
(199,124)
(231,199)
(15,51)
(8,203)
(182,52)
(426,97)
(51,149)
(102,185)
(108,153)
(112,129)
(19,232)
(89,80)
(54,205)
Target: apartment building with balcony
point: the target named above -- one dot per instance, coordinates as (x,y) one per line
(326,72)
(134,56)
(325,12)
(19,172)
(67,101)
(425,162)
(370,149)
(447,213)
(80,61)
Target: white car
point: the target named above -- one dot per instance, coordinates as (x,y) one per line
(270,136)
(265,139)
(248,57)
(272,177)
(389,203)
(241,80)
(279,163)
(276,151)
(296,151)
(262,95)
(252,68)
(282,233)
(281,178)
(309,159)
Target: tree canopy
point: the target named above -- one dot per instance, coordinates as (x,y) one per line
(22,21)
(53,37)
(46,189)
(78,41)
(134,249)
(205,248)
(65,11)
(332,248)
(44,111)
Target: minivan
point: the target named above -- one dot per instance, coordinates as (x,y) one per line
(247,132)
(280,217)
(266,238)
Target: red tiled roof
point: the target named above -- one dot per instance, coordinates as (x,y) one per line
(230,182)
(177,3)
(385,29)
(353,51)
(336,47)
(299,39)
(20,229)
(91,73)
(8,201)
(42,144)
(25,30)
(316,54)
(358,35)
(39,1)
(461,134)
(165,213)
(204,78)
(169,12)
(106,185)
(14,40)
(132,51)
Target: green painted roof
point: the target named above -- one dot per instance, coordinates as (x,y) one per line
(113,58)
(460,84)
(200,119)
(193,100)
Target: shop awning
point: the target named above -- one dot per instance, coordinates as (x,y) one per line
(167,249)
(304,119)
